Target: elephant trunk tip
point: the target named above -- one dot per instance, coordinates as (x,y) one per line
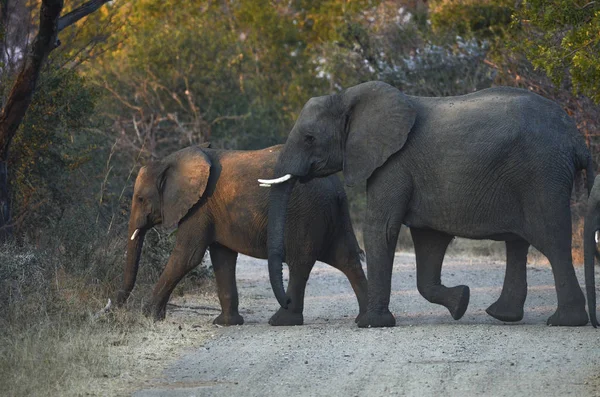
(284,302)
(104,310)
(276,278)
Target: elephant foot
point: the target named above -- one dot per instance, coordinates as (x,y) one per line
(569,316)
(458,301)
(121,298)
(376,319)
(361,314)
(505,312)
(285,317)
(229,319)
(157,313)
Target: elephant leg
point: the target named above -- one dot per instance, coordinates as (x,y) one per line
(571,302)
(299,273)
(186,255)
(182,260)
(381,236)
(349,264)
(224,261)
(554,241)
(353,270)
(430,248)
(509,307)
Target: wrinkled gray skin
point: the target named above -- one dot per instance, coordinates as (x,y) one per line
(212,197)
(495,164)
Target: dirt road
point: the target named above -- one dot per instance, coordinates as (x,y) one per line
(428,353)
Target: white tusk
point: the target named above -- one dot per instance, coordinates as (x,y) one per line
(275,181)
(264,185)
(597,235)
(134,235)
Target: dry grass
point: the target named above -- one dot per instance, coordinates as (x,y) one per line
(111,357)
(50,342)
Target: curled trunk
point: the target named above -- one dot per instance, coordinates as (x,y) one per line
(134,251)
(592,224)
(278,201)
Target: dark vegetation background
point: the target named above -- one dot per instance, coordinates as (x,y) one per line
(139,79)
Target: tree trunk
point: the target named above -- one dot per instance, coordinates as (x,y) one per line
(21,94)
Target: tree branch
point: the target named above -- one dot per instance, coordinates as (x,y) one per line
(583,7)
(237,117)
(80,12)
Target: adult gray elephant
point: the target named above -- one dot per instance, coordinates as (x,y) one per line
(495,164)
(212,198)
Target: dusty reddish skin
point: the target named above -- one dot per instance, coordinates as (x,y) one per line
(229,217)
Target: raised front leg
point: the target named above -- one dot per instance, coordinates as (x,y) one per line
(224,261)
(299,273)
(509,307)
(430,248)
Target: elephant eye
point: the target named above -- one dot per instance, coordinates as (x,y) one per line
(140,199)
(309,138)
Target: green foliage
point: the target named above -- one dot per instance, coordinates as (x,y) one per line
(563,38)
(51,146)
(397,47)
(486,19)
(234,73)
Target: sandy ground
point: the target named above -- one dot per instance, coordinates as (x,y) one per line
(427,353)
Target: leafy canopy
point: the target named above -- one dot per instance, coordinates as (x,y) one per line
(562,37)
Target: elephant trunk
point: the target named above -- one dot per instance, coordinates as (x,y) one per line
(590,230)
(278,201)
(135,241)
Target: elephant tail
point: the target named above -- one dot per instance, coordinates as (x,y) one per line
(590,177)
(589,174)
(582,159)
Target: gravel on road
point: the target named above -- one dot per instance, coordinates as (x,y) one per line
(427,353)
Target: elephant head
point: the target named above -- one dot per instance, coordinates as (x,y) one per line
(355,131)
(164,192)
(591,239)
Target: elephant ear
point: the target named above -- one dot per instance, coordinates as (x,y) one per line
(182,183)
(379,119)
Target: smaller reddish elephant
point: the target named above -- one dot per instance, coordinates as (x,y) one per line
(213,198)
